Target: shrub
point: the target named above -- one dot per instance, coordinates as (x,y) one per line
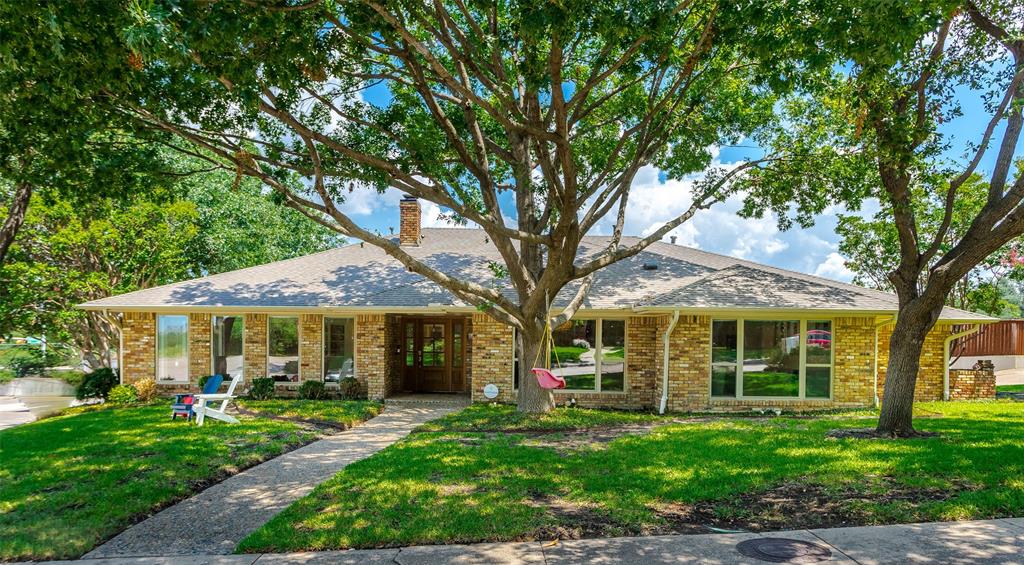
(262,388)
(123,394)
(97,384)
(349,388)
(146,389)
(29,361)
(312,390)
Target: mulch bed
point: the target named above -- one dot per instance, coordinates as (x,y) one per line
(871,433)
(797,504)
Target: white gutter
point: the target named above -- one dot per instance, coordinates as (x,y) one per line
(945,358)
(874,388)
(664,368)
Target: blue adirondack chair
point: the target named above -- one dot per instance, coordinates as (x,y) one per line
(184,403)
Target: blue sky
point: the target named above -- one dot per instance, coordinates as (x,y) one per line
(655,199)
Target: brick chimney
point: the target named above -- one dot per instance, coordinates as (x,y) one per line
(409,228)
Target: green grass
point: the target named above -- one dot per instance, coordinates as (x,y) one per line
(1010,388)
(767,383)
(567,354)
(345,412)
(69,482)
(456,481)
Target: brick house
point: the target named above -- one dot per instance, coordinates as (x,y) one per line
(738,334)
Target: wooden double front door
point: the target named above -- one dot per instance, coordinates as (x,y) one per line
(433,354)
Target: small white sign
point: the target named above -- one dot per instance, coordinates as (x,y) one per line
(491,391)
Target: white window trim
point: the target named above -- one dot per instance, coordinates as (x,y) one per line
(188,358)
(213,335)
(323,347)
(599,357)
(802,391)
(298,354)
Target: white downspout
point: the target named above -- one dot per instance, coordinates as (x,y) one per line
(945,358)
(874,388)
(664,367)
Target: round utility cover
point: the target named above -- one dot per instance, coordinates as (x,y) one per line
(783,550)
(491,391)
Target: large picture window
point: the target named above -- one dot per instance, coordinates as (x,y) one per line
(283,348)
(771,359)
(172,349)
(227,345)
(339,357)
(591,355)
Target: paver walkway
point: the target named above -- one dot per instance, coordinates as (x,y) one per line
(215,520)
(982,541)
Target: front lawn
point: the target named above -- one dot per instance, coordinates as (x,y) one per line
(70,482)
(489,473)
(1010,388)
(343,413)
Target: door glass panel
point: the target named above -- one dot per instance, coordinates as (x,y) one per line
(433,345)
(410,344)
(172,348)
(456,344)
(339,360)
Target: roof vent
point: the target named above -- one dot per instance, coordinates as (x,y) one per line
(672,239)
(650,266)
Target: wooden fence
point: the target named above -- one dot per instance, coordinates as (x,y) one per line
(1000,338)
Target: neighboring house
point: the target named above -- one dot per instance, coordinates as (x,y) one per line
(739,334)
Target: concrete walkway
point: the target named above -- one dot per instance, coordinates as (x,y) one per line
(215,520)
(983,541)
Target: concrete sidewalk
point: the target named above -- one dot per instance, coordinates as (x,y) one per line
(215,520)
(983,541)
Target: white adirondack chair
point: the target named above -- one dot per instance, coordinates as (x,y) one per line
(203,409)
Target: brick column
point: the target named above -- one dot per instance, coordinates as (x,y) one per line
(200,358)
(138,332)
(372,356)
(689,381)
(643,364)
(311,354)
(491,358)
(853,347)
(255,347)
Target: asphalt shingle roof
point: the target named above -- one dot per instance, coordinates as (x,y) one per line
(361,275)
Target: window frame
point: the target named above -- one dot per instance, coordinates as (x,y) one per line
(802,388)
(298,350)
(597,364)
(323,346)
(213,337)
(156,352)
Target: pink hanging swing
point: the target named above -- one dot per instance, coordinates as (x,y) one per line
(545,378)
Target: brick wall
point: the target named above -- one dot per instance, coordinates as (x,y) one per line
(311,353)
(200,359)
(969,384)
(375,360)
(139,338)
(491,358)
(255,347)
(689,384)
(853,358)
(929,376)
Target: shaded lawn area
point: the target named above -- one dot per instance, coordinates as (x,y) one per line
(488,473)
(70,482)
(1010,388)
(345,413)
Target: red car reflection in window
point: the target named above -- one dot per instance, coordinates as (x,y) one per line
(819,338)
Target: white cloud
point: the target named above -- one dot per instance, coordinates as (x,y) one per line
(834,267)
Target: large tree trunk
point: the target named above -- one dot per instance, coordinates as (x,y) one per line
(913,323)
(15,218)
(532,398)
